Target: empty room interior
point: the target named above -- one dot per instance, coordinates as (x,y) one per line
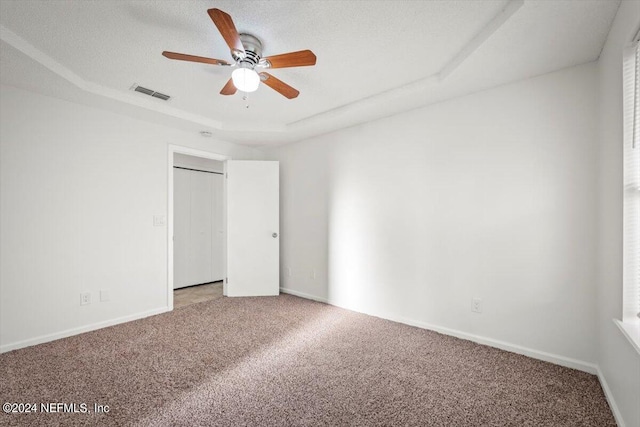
(320,213)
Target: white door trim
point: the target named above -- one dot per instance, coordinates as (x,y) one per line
(172,149)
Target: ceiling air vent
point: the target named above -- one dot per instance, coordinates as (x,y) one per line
(150,92)
(161,96)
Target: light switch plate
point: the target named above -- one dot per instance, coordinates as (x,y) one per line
(159,220)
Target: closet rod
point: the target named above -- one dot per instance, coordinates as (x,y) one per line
(197,170)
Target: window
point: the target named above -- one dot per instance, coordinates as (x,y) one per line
(630,324)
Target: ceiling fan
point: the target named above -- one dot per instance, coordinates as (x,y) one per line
(246,51)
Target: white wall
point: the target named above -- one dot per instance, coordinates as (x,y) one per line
(618,361)
(78,191)
(489,196)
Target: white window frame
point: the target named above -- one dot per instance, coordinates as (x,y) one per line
(630,323)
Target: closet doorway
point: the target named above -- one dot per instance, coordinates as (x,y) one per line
(199,231)
(250,224)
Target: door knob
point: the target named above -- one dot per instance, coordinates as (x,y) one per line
(274,235)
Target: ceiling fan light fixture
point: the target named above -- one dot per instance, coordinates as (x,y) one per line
(246,51)
(245,79)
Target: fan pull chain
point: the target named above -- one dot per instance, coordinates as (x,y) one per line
(245,98)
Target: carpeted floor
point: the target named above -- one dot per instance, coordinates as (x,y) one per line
(285,361)
(195,294)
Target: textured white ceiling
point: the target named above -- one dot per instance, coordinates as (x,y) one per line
(375,58)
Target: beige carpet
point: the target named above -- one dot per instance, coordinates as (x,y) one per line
(195,294)
(285,361)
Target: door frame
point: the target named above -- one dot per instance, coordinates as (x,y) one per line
(173,149)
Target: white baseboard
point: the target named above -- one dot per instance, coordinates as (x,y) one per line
(79,330)
(535,354)
(612,403)
(303,295)
(568,362)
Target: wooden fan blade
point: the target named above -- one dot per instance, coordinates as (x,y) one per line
(228,89)
(279,86)
(300,58)
(227,28)
(192,58)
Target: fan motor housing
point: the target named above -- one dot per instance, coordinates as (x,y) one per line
(253,51)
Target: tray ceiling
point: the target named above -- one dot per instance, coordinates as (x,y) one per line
(375,58)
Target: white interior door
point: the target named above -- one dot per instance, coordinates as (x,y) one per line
(198,239)
(181,227)
(218,227)
(201,253)
(253,228)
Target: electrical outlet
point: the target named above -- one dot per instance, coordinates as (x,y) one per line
(104,295)
(476,305)
(85,298)
(159,220)
(313,274)
(288,271)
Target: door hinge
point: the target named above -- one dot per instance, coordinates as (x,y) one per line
(226,279)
